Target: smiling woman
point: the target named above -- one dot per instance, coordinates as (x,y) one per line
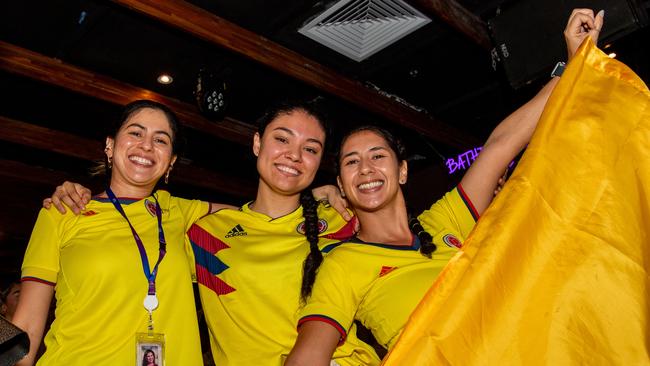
(141,152)
(96,260)
(249,260)
(289,150)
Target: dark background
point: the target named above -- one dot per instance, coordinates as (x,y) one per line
(438,87)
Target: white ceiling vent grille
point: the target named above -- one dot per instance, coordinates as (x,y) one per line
(360,28)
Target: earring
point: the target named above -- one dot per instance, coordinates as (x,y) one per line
(167,175)
(402,181)
(109,160)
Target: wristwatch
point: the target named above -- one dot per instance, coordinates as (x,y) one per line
(558,69)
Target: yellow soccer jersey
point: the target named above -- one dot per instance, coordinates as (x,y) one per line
(95,265)
(249,269)
(381,284)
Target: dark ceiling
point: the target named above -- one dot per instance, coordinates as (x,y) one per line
(67,65)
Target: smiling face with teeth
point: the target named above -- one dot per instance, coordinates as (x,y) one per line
(141,153)
(289,153)
(370,172)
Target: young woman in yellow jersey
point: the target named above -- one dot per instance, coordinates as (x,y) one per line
(121,267)
(380,275)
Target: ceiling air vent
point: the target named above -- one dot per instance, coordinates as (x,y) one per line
(360,28)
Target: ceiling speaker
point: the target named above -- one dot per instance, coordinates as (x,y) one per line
(528,34)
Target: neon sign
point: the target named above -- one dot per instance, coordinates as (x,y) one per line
(464,160)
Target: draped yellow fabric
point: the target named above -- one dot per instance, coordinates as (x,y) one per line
(556,270)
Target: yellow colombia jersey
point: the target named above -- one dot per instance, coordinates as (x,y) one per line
(380,284)
(249,268)
(95,265)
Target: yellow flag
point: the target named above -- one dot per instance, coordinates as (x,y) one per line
(556,270)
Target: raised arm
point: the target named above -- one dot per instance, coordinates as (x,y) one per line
(514,132)
(31,315)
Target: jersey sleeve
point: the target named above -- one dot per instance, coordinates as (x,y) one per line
(192,210)
(333,299)
(453,214)
(332,227)
(41,262)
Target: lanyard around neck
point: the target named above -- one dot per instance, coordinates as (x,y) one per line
(150,275)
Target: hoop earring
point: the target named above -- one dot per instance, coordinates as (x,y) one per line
(167,175)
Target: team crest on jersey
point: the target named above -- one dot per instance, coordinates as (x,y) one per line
(452,241)
(151,207)
(322,226)
(89,213)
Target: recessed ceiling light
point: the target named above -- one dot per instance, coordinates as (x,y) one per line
(165,79)
(612,55)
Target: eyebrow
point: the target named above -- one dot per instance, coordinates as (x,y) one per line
(135,124)
(290,132)
(376,148)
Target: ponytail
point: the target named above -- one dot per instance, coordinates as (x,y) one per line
(315,257)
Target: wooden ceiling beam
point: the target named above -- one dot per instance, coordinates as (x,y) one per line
(33,65)
(66,144)
(209,27)
(32,174)
(459,18)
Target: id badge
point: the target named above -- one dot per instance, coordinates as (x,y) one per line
(149,349)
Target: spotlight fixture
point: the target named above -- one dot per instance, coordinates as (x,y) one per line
(211,96)
(165,79)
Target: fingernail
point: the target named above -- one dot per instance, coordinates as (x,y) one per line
(601,13)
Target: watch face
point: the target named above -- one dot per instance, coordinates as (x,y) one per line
(558,69)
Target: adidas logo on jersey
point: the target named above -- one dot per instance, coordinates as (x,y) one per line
(236,231)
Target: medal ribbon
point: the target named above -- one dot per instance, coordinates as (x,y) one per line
(150,275)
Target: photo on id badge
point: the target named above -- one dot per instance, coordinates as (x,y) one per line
(150,351)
